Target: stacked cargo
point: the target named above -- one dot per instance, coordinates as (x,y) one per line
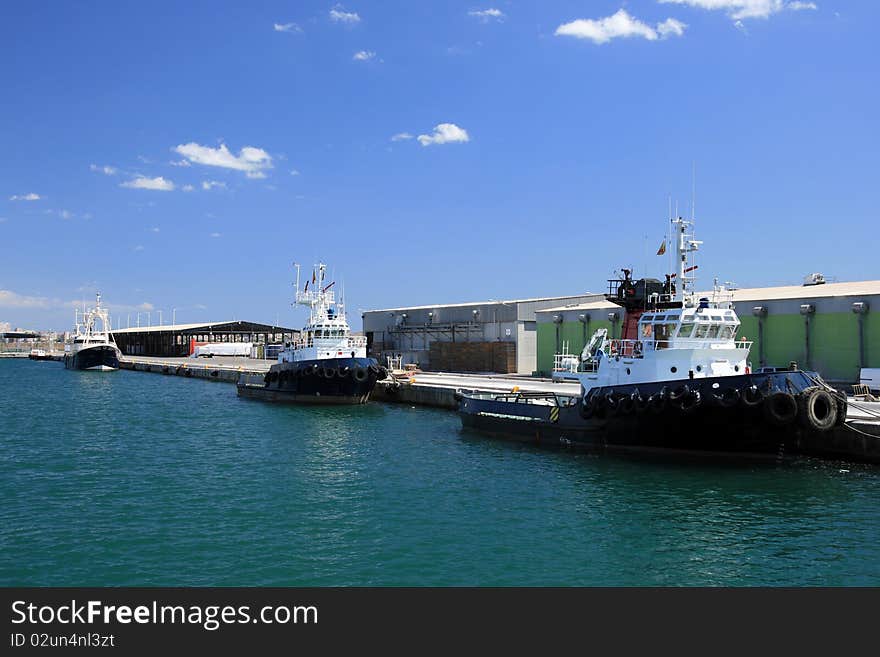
(473,357)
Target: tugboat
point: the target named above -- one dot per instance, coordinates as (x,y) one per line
(326,364)
(93,347)
(677,379)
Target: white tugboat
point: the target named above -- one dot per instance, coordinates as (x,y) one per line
(677,379)
(92,347)
(326,364)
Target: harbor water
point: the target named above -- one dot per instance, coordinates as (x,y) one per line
(125,478)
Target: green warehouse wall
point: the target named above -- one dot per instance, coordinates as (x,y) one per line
(834,346)
(571,332)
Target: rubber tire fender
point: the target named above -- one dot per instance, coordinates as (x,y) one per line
(810,405)
(729,398)
(780,408)
(751,396)
(360,374)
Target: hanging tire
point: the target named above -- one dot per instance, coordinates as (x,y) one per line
(817,410)
(691,402)
(610,401)
(728,399)
(587,408)
(841,410)
(780,408)
(752,396)
(658,401)
(374,368)
(383,373)
(640,403)
(360,374)
(343,371)
(679,394)
(625,405)
(328,372)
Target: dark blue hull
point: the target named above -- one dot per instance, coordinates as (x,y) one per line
(326,381)
(772,415)
(93,358)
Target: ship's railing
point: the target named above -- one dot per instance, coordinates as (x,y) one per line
(638,348)
(565,363)
(351,342)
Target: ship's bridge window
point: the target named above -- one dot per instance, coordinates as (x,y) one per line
(646,330)
(687,328)
(659,318)
(727,332)
(717,318)
(705,331)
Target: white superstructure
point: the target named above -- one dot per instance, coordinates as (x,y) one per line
(686,338)
(93,330)
(327,335)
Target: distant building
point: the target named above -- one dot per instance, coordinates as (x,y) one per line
(495,336)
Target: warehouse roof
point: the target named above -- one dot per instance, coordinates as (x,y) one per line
(232,325)
(490,302)
(849,289)
(591,305)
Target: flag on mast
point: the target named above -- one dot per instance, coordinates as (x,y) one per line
(662,248)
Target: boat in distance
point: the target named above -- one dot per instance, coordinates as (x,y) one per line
(92,347)
(677,379)
(325,364)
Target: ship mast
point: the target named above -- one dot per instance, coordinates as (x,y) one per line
(686,245)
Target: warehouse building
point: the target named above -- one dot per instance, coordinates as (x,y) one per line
(827,327)
(180,339)
(488,336)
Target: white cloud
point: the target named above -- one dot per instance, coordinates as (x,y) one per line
(486,15)
(154,229)
(211,184)
(26,197)
(294,172)
(339,15)
(107,171)
(139,247)
(287,27)
(158,184)
(187,188)
(445,133)
(740,9)
(620,24)
(670,27)
(64,214)
(215,234)
(250,159)
(10,299)
(364,55)
(180,163)
(401,136)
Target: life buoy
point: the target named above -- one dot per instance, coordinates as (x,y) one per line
(752,396)
(817,409)
(360,374)
(780,408)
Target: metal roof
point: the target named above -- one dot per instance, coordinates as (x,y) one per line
(590,305)
(219,326)
(490,302)
(849,289)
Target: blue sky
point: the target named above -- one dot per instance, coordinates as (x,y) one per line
(537,146)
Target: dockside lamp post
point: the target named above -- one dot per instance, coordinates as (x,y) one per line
(584,319)
(860,308)
(807,310)
(761,313)
(613,317)
(557,320)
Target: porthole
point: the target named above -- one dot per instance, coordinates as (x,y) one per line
(699,368)
(673,369)
(627,370)
(736,368)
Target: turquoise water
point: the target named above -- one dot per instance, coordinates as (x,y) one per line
(127,478)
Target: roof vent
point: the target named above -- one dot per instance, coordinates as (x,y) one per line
(814,279)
